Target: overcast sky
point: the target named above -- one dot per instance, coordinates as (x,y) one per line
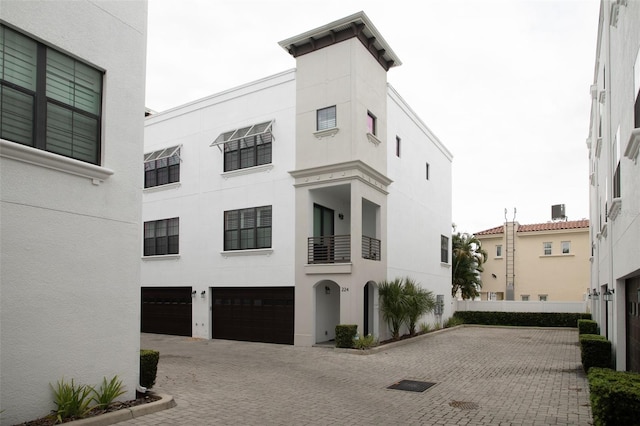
(503,84)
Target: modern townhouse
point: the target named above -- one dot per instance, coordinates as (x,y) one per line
(272,210)
(614,179)
(71,131)
(536,262)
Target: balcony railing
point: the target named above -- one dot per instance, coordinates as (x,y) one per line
(329,249)
(370,248)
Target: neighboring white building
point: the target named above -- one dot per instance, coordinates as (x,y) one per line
(272,210)
(71,128)
(613,142)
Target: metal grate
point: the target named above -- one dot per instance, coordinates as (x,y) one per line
(464,405)
(411,385)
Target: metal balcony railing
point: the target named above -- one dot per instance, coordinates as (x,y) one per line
(329,249)
(370,248)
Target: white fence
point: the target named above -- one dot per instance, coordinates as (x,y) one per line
(520,306)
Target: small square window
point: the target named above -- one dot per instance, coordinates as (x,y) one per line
(543,297)
(547,249)
(371,123)
(326,118)
(566,247)
(397,146)
(498,251)
(525,297)
(427,170)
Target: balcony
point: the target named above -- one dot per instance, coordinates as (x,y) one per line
(370,248)
(329,249)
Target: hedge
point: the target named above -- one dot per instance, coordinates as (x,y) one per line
(614,396)
(345,334)
(586,326)
(148,367)
(595,351)
(527,319)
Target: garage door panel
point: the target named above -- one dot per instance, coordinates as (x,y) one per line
(166,310)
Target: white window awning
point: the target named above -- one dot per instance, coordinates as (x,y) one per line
(243,133)
(163,153)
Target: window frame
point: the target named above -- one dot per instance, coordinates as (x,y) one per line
(78,129)
(169,166)
(235,238)
(249,152)
(161,245)
(568,247)
(372,123)
(545,248)
(324,123)
(398,146)
(524,298)
(444,249)
(427,171)
(498,250)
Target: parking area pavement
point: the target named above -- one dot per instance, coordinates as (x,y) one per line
(482,376)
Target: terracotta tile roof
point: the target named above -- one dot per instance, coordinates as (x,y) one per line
(548,226)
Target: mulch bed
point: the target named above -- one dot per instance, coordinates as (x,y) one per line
(115,406)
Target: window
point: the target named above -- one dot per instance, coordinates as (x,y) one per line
(444,249)
(427,171)
(161,237)
(498,251)
(525,297)
(162,167)
(48,100)
(566,247)
(543,297)
(326,118)
(547,248)
(247,228)
(248,146)
(371,123)
(397,147)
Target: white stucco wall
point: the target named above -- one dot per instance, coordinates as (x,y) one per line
(205,192)
(69,250)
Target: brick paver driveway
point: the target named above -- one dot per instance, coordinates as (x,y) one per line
(483,376)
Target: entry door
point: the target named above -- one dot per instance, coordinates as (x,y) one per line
(323,232)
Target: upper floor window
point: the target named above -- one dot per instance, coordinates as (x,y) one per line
(498,251)
(49,101)
(326,118)
(246,147)
(547,248)
(398,142)
(543,297)
(161,237)
(247,228)
(162,167)
(427,170)
(636,87)
(525,297)
(566,247)
(444,249)
(371,123)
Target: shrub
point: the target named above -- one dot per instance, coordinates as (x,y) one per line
(425,327)
(72,401)
(108,392)
(586,326)
(595,351)
(525,319)
(345,334)
(614,396)
(365,342)
(393,305)
(148,367)
(419,302)
(452,322)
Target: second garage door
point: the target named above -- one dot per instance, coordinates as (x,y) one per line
(254,314)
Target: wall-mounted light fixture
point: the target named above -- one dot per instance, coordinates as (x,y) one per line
(203,294)
(193,293)
(340,216)
(608,296)
(594,295)
(494,275)
(327,289)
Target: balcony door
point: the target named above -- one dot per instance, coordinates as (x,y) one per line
(323,232)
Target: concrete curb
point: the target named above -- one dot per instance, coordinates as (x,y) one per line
(165,402)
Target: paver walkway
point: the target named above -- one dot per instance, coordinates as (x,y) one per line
(483,376)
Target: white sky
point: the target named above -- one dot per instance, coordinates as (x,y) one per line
(503,84)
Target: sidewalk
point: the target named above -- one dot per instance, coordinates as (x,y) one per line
(482,376)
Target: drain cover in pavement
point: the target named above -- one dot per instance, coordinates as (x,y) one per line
(464,405)
(411,385)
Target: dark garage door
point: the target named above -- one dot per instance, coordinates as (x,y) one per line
(253,314)
(166,310)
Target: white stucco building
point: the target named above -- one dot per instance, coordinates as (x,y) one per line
(613,143)
(273,209)
(71,133)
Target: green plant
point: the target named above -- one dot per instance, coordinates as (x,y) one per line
(108,391)
(419,302)
(466,264)
(393,305)
(595,351)
(345,334)
(525,319)
(365,342)
(587,326)
(72,401)
(452,322)
(148,367)
(614,396)
(425,327)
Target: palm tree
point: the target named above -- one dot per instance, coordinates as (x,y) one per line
(468,257)
(393,305)
(419,302)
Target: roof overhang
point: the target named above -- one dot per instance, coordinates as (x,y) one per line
(243,132)
(357,25)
